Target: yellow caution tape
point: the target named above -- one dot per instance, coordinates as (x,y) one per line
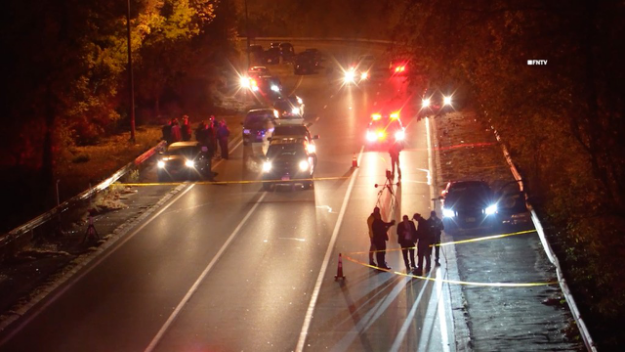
(232,182)
(457,282)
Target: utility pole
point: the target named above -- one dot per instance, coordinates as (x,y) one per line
(247,33)
(131,82)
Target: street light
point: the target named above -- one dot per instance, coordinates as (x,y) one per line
(131,82)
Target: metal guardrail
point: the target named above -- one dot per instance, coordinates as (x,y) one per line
(19,233)
(588,341)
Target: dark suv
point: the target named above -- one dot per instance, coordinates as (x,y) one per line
(258,125)
(288,161)
(468,205)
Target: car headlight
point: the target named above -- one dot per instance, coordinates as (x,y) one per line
(189,163)
(244,82)
(381,134)
(425,103)
(400,135)
(299,100)
(304,165)
(275,88)
(364,75)
(349,77)
(371,136)
(160,164)
(490,210)
(267,166)
(312,148)
(447,100)
(448,213)
(295,111)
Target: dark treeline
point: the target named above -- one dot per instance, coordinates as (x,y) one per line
(65,81)
(563,122)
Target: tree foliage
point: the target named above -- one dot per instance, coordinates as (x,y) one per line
(563,122)
(65,79)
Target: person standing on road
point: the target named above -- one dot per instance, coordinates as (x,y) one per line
(167,132)
(380,236)
(407,237)
(223,132)
(185,129)
(373,216)
(176,134)
(202,136)
(424,241)
(436,227)
(394,154)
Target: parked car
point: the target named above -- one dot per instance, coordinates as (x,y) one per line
(288,161)
(384,129)
(272,55)
(257,53)
(305,63)
(295,131)
(290,109)
(258,125)
(287,51)
(183,161)
(468,205)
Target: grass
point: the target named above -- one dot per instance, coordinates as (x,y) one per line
(85,166)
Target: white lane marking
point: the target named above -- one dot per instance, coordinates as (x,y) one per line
(111,246)
(324,266)
(410,319)
(325,106)
(199,280)
(292,239)
(443,322)
(427,172)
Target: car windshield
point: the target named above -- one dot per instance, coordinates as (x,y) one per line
(288,150)
(257,118)
(385,124)
(469,192)
(283,105)
(182,150)
(291,131)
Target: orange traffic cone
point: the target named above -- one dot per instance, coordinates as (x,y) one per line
(354,161)
(339,270)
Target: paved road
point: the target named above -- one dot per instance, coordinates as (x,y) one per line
(233,268)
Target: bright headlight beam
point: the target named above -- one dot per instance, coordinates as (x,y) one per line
(425,102)
(303,165)
(267,166)
(490,210)
(189,163)
(160,164)
(447,100)
(448,213)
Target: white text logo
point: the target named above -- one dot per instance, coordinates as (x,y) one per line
(537,62)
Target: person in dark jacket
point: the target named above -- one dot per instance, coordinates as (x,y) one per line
(223,132)
(185,129)
(394,154)
(407,237)
(424,240)
(436,227)
(373,216)
(202,135)
(380,236)
(167,132)
(176,134)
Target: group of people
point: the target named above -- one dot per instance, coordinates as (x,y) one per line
(210,133)
(423,236)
